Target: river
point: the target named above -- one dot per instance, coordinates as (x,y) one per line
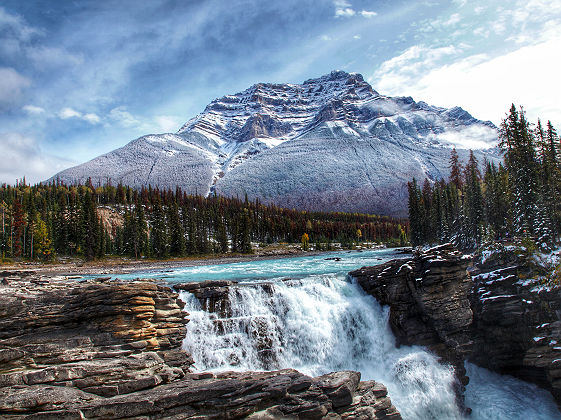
(313,318)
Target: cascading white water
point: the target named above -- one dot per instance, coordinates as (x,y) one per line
(317,325)
(321,323)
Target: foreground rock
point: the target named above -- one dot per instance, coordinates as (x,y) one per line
(504,318)
(107,349)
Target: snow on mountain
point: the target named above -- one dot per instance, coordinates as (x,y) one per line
(331,143)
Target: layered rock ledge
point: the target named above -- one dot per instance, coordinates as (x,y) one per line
(503,318)
(101,349)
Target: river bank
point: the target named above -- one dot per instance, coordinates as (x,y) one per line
(124,265)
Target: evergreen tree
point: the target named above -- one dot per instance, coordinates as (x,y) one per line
(473,203)
(221,235)
(159,235)
(517,141)
(455,169)
(415,214)
(18,228)
(89,229)
(245,236)
(177,234)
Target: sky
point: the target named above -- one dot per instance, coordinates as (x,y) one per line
(81,78)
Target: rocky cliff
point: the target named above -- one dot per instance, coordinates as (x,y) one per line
(517,320)
(429,303)
(108,349)
(503,318)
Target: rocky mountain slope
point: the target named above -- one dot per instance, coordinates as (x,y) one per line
(331,143)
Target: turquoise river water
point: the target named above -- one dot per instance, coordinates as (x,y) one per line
(313,318)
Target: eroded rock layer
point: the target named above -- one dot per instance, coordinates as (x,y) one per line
(517,321)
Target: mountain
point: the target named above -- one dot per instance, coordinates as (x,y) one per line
(331,143)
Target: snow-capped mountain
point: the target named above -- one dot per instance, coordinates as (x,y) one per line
(331,143)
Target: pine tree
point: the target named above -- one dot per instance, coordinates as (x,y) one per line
(455,169)
(520,158)
(159,235)
(177,235)
(245,236)
(415,216)
(473,203)
(221,235)
(18,228)
(89,226)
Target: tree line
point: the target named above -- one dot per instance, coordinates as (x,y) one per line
(44,220)
(519,197)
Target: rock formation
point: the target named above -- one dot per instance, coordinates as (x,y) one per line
(517,321)
(504,318)
(101,349)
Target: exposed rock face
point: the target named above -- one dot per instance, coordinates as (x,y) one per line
(104,338)
(107,350)
(429,302)
(517,322)
(212,294)
(502,319)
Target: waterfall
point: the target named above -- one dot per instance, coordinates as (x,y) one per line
(317,325)
(320,322)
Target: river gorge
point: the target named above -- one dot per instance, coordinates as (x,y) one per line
(302,313)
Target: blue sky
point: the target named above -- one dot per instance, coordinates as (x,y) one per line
(81,78)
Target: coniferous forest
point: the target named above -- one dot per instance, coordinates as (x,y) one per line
(519,198)
(47,220)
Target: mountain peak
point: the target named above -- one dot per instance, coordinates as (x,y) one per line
(330,143)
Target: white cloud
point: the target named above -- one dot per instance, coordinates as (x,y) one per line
(155,124)
(356,36)
(91,118)
(51,57)
(368,14)
(470,137)
(23,156)
(405,69)
(346,12)
(12,85)
(123,117)
(67,113)
(343,9)
(33,110)
(452,20)
(168,123)
(16,26)
(483,85)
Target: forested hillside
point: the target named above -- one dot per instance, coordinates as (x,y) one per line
(518,198)
(41,221)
